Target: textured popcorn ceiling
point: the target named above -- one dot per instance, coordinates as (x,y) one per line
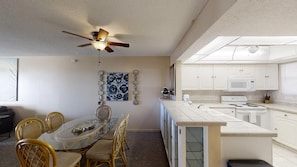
(151,27)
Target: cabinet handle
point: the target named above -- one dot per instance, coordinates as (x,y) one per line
(275,128)
(285,115)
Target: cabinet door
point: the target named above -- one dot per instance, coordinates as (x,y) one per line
(260,77)
(190,77)
(271,77)
(206,77)
(220,77)
(234,70)
(197,77)
(241,70)
(266,77)
(285,125)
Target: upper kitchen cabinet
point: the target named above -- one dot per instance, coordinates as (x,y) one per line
(204,77)
(220,77)
(241,70)
(215,76)
(266,77)
(193,77)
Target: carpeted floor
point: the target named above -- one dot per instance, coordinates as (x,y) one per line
(146,150)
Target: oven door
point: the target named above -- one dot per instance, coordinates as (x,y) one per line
(251,116)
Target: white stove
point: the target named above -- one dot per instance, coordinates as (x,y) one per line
(248,112)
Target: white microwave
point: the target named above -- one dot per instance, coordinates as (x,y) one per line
(241,84)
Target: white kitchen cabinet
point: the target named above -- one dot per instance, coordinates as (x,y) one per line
(266,77)
(220,77)
(215,76)
(241,70)
(204,77)
(285,124)
(190,75)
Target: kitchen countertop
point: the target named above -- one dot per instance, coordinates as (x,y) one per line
(281,107)
(185,114)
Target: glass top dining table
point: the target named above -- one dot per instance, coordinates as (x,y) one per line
(78,133)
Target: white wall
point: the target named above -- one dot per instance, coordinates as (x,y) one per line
(58,84)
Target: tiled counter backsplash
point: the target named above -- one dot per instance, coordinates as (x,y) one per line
(253,97)
(280,98)
(215,96)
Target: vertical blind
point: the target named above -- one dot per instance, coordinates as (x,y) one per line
(8,79)
(288,78)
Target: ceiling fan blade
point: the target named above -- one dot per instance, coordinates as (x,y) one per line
(102,35)
(77,35)
(83,45)
(108,49)
(119,44)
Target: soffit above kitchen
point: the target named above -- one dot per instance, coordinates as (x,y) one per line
(248,22)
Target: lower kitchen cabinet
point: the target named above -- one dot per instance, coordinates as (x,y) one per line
(285,124)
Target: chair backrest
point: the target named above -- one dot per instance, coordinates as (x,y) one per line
(118,139)
(33,152)
(29,128)
(126,123)
(54,120)
(103,112)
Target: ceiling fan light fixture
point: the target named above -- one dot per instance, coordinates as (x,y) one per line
(101,45)
(253,49)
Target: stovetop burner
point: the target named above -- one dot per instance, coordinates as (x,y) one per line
(240,103)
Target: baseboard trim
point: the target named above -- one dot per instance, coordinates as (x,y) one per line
(285,146)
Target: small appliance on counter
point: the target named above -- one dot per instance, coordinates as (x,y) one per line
(165,92)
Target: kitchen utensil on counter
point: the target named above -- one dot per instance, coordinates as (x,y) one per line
(267,98)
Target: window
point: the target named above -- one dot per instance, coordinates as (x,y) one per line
(8,79)
(289,78)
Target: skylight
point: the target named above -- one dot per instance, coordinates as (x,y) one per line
(250,49)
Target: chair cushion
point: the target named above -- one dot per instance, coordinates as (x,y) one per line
(67,159)
(101,150)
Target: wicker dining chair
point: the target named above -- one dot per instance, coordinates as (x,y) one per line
(29,128)
(34,152)
(54,120)
(109,135)
(103,113)
(107,151)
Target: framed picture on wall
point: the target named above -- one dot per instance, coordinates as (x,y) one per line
(117,86)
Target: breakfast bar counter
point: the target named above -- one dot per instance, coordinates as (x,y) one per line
(223,136)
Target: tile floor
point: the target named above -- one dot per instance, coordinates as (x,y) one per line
(283,157)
